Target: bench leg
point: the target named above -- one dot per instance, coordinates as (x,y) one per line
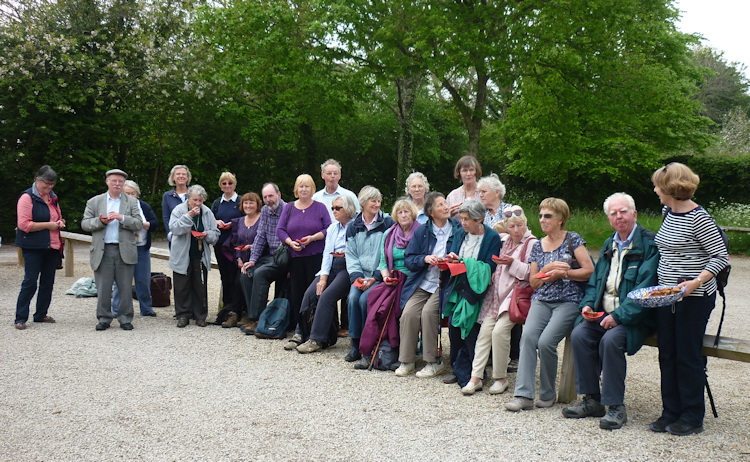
(69,260)
(567,390)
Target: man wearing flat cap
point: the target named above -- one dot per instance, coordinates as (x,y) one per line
(113,219)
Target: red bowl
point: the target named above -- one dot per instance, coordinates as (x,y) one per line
(594,316)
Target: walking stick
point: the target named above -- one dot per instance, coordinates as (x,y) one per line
(382,332)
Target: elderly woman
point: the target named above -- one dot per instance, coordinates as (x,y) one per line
(38,236)
(382,297)
(475,244)
(468,170)
(692,253)
(180,178)
(417,187)
(554,305)
(420,297)
(142,271)
(194,230)
(225,209)
(491,193)
(512,269)
(238,245)
(363,239)
(303,226)
(330,285)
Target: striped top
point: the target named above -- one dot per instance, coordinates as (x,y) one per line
(689,243)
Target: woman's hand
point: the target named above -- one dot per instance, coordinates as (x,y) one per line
(239,263)
(247,266)
(296,246)
(431,259)
(452,256)
(367,283)
(320,286)
(220,223)
(556,265)
(306,240)
(689,286)
(195,211)
(454,208)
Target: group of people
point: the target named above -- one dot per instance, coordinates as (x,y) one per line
(458,259)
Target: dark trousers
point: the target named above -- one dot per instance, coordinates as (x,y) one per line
(191,292)
(600,352)
(462,352)
(228,270)
(301,273)
(679,333)
(336,289)
(264,274)
(515,341)
(39,264)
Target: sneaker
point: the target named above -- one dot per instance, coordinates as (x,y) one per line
(310,346)
(588,407)
(363,364)
(615,418)
(431,370)
(293,342)
(520,403)
(682,428)
(231,321)
(545,402)
(659,425)
(353,355)
(405,369)
(498,387)
(472,388)
(181,322)
(513,365)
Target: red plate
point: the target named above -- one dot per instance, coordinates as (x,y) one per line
(594,316)
(197,233)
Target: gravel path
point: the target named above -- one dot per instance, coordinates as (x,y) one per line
(68,392)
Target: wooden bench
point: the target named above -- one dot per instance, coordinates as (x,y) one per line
(729,348)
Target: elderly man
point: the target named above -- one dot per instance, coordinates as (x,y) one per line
(113,219)
(627,261)
(260,270)
(330,171)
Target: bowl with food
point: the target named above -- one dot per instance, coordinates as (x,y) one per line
(656,296)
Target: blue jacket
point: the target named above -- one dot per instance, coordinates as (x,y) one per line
(151,218)
(421,245)
(363,246)
(491,245)
(169,201)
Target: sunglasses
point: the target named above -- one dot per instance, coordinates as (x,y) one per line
(510,213)
(546,216)
(336,208)
(226,183)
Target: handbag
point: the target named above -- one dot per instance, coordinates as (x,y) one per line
(281,256)
(520,297)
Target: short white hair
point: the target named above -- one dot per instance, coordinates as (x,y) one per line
(133,185)
(422,177)
(368,193)
(619,195)
(492,182)
(330,162)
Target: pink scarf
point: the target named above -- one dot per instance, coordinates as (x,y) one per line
(396,235)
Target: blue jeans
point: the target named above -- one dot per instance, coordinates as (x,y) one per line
(142,278)
(356,304)
(39,264)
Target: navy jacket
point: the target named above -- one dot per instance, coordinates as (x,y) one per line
(169,201)
(39,213)
(151,218)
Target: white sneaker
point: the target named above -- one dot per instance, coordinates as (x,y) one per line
(405,369)
(545,402)
(520,403)
(431,370)
(498,387)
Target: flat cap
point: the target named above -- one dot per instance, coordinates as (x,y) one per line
(115,171)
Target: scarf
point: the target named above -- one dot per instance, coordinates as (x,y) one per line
(396,235)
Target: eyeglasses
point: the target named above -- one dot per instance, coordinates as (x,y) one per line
(510,213)
(336,208)
(50,184)
(226,183)
(546,216)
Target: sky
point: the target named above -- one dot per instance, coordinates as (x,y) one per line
(721,23)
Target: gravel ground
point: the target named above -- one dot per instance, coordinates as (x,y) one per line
(68,392)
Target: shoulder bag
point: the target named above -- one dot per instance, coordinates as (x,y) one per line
(520,298)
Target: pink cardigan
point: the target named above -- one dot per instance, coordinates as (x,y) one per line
(497,299)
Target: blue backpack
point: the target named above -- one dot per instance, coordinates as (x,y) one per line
(274,320)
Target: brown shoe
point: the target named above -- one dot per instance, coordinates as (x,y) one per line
(249,328)
(231,321)
(244,321)
(343,333)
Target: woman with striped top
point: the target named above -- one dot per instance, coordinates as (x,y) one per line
(692,253)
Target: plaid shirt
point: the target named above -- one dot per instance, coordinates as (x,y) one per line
(267,231)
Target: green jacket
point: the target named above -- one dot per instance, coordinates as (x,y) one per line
(639,267)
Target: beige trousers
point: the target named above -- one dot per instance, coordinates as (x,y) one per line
(494,334)
(421,311)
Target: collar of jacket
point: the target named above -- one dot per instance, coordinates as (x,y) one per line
(358,224)
(636,246)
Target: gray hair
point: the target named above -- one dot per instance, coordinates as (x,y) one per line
(493,183)
(170,180)
(133,185)
(330,162)
(197,190)
(47,174)
(368,193)
(275,187)
(347,203)
(474,208)
(619,195)
(422,177)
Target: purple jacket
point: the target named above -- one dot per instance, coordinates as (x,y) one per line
(382,299)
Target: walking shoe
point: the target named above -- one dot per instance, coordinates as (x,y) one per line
(151,314)
(545,402)
(450,379)
(293,342)
(249,328)
(659,425)
(310,346)
(363,363)
(431,370)
(513,365)
(520,403)
(231,321)
(498,387)
(22,325)
(47,319)
(615,418)
(405,369)
(588,407)
(126,326)
(102,326)
(471,388)
(181,322)
(353,354)
(342,333)
(201,322)
(244,320)
(682,428)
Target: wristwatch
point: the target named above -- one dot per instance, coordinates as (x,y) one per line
(700,281)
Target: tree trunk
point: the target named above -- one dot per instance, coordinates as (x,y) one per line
(407,88)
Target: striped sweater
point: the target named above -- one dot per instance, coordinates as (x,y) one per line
(689,243)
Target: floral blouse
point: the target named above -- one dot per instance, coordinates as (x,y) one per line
(562,290)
